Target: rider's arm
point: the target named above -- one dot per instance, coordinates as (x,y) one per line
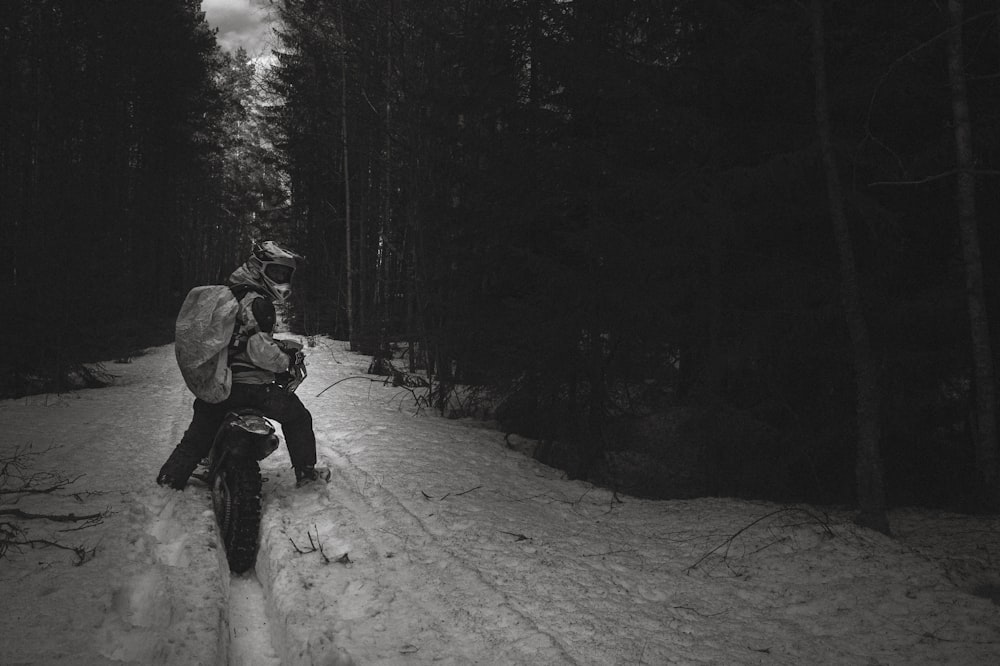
(264,353)
(261,347)
(263,314)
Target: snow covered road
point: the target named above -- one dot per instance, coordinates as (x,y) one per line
(151,593)
(434,543)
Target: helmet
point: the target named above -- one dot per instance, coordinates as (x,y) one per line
(274,266)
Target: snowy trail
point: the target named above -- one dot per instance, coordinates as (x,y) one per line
(433,543)
(466,552)
(249,634)
(166,596)
(401,593)
(152,593)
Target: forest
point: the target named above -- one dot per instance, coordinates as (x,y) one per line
(689,247)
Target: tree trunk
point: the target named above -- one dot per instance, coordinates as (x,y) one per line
(347,183)
(868,471)
(382,271)
(988,480)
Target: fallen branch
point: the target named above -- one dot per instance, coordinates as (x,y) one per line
(420,401)
(57,517)
(698,612)
(930,179)
(519,537)
(83,555)
(402,380)
(609,552)
(12,536)
(14,469)
(28,489)
(314,547)
(729,541)
(344,379)
(17,479)
(464,492)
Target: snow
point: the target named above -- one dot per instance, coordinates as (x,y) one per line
(434,542)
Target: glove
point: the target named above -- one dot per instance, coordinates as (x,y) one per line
(293,350)
(288,345)
(295,358)
(297,369)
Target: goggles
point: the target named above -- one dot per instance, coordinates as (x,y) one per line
(279,273)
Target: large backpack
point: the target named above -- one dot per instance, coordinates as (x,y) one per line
(202,335)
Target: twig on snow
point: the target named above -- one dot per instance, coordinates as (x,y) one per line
(12,536)
(402,380)
(317,547)
(698,612)
(298,550)
(729,540)
(57,517)
(17,479)
(609,552)
(464,492)
(519,537)
(344,379)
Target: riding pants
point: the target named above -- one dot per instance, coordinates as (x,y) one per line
(274,402)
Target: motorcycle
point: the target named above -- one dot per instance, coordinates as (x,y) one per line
(233,472)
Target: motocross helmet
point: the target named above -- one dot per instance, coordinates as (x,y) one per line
(274,266)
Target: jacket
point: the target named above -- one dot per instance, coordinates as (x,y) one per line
(254,356)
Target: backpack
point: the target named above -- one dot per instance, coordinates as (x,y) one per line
(202,335)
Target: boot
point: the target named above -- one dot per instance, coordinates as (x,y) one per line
(177,470)
(167,479)
(309,473)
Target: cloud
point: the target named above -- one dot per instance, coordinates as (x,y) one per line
(240,23)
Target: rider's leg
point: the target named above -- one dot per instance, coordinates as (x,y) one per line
(194,445)
(296,423)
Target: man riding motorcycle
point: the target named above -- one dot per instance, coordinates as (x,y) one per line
(259,365)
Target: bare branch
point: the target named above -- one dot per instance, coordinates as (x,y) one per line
(929,179)
(15,470)
(814,520)
(63,518)
(344,379)
(428,497)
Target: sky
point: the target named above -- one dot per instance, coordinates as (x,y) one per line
(241,23)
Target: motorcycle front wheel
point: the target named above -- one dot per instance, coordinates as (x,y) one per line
(236,501)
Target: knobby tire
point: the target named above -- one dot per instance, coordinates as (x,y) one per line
(236,500)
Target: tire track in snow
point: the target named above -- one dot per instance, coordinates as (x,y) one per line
(164,599)
(483,602)
(403,599)
(183,560)
(248,633)
(243,634)
(176,601)
(244,637)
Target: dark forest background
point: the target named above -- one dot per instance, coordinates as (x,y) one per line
(734,247)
